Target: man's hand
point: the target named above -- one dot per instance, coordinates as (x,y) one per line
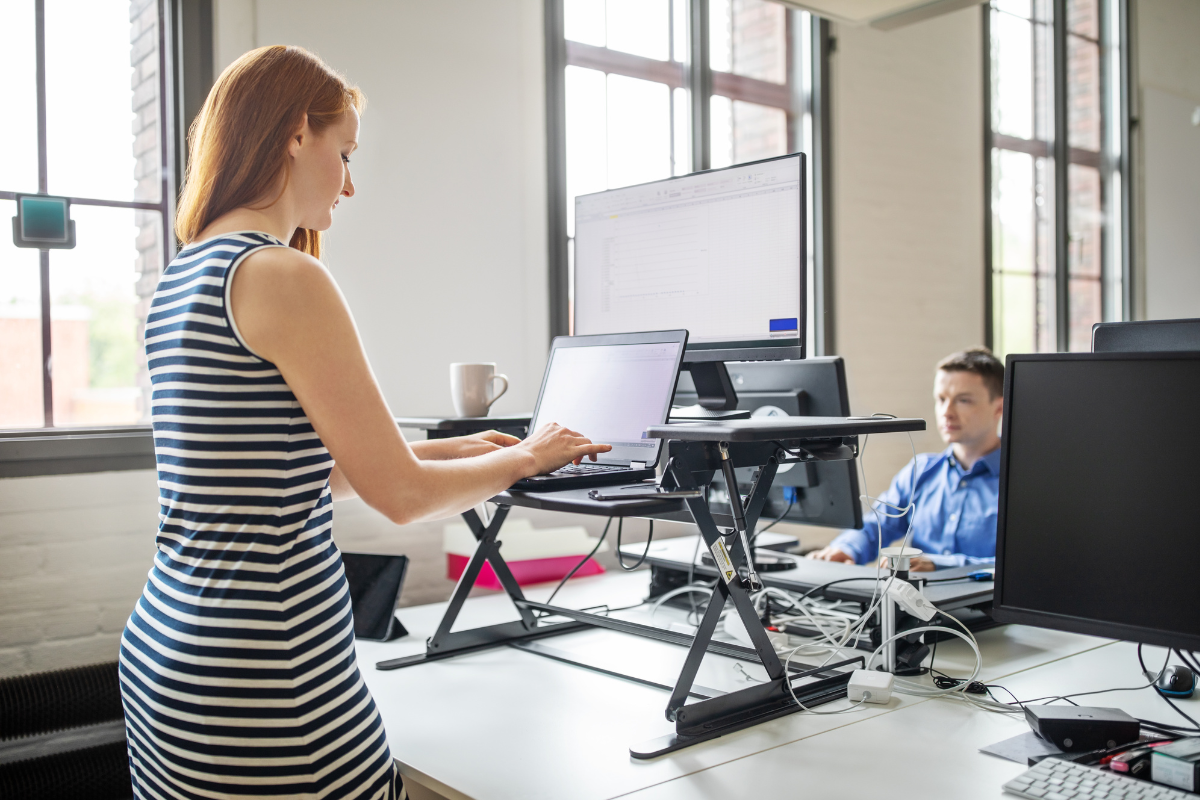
(832,553)
(915,564)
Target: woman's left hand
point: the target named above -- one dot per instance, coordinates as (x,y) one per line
(477,444)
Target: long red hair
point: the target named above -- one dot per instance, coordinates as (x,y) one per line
(238,143)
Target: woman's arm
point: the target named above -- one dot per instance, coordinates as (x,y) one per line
(289,311)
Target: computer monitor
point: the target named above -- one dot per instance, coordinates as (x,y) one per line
(1097,528)
(825,492)
(1159,335)
(721,253)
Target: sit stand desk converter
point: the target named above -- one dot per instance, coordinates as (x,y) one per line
(695,451)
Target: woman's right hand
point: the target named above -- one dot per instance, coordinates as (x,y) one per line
(553,446)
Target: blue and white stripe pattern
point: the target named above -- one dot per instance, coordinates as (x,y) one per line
(238,672)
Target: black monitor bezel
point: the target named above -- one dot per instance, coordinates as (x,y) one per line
(750,349)
(677,336)
(1045,619)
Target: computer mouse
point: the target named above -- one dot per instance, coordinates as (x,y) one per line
(1177,681)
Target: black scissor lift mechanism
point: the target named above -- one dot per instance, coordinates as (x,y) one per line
(690,465)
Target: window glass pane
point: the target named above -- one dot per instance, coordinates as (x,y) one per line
(18,98)
(1087,223)
(758,132)
(683,132)
(720,35)
(1083,18)
(1083,93)
(20,332)
(587,136)
(639,131)
(101,99)
(1022,254)
(721,119)
(99,299)
(1021,8)
(583,21)
(641,27)
(1012,76)
(749,37)
(679,30)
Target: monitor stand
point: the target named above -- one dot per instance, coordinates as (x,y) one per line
(713,385)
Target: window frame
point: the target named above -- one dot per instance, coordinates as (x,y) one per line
(184,28)
(1116,245)
(702,83)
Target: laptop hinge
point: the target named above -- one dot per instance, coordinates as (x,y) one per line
(637,464)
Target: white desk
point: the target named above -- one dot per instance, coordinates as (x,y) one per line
(509,724)
(929,749)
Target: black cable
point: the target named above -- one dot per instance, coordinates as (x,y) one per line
(563,582)
(1157,691)
(646,552)
(1189,658)
(775,521)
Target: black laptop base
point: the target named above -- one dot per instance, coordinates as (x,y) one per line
(556,483)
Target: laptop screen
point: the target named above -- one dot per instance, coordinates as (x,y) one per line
(611,393)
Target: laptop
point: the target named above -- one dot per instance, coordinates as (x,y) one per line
(610,388)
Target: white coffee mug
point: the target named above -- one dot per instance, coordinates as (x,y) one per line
(472,387)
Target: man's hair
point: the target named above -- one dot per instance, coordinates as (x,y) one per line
(980,361)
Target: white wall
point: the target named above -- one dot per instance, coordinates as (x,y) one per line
(441,254)
(1168,152)
(74,553)
(908,212)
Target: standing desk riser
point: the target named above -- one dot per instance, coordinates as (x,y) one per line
(695,452)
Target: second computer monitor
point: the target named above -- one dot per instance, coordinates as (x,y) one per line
(721,253)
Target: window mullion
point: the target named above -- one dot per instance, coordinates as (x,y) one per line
(699,78)
(1062,156)
(43,188)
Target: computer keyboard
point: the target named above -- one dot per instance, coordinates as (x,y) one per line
(1055,779)
(587,469)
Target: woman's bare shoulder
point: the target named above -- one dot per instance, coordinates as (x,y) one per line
(279,294)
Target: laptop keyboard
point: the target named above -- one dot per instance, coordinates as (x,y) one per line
(587,469)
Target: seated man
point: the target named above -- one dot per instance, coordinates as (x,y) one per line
(955,491)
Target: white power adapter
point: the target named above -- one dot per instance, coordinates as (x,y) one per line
(910,599)
(870,686)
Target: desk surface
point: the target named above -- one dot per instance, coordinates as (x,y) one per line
(508,724)
(809,573)
(765,429)
(933,745)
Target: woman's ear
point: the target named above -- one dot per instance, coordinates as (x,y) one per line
(299,137)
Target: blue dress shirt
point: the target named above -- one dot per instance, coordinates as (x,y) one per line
(955,518)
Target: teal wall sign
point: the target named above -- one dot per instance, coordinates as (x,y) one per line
(43,222)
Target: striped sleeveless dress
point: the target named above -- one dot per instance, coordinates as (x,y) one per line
(238,673)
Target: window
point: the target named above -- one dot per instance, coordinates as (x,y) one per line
(85,109)
(657,88)
(1058,206)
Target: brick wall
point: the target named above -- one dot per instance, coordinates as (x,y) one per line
(143,57)
(74,553)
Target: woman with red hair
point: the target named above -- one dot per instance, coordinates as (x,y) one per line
(238,671)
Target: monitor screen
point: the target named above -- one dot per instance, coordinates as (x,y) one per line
(1097,529)
(720,253)
(611,393)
